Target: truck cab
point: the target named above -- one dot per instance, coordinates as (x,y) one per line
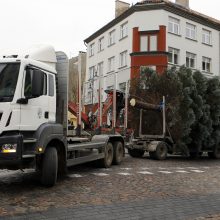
(27,106)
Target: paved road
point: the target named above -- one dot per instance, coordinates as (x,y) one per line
(177,188)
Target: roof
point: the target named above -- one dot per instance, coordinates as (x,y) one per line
(166,5)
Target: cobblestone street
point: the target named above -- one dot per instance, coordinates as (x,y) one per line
(178,188)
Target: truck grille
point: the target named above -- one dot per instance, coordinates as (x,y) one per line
(1,115)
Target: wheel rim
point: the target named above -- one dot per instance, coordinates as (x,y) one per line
(162,151)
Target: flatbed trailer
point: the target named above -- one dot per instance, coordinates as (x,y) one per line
(159,145)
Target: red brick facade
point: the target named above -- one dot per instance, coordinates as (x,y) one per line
(158,58)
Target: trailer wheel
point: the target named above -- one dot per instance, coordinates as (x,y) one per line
(215,154)
(161,151)
(49,167)
(118,152)
(106,162)
(136,153)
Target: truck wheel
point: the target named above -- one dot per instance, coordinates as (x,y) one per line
(118,152)
(215,154)
(161,151)
(136,153)
(49,167)
(106,162)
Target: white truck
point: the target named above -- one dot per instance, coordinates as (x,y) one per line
(33,118)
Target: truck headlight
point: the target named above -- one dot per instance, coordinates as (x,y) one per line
(8,148)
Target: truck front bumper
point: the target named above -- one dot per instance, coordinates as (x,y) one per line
(11,150)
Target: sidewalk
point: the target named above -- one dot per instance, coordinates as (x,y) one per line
(172,208)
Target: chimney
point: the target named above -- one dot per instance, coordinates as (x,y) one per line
(120,7)
(184,3)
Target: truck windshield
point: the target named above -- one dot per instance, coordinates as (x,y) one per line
(8,80)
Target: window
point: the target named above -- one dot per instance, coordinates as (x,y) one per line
(191,31)
(91,72)
(122,86)
(206,64)
(89,98)
(153,43)
(8,80)
(111,64)
(144,43)
(91,49)
(35,83)
(100,69)
(101,44)
(190,60)
(51,85)
(111,40)
(148,43)
(90,85)
(206,37)
(124,30)
(173,55)
(123,59)
(174,25)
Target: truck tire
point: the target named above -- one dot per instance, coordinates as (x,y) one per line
(215,154)
(161,151)
(106,162)
(118,152)
(137,153)
(49,167)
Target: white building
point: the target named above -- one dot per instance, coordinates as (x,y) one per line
(155,33)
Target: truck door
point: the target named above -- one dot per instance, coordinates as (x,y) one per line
(35,111)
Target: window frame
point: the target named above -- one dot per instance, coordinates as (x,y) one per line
(123,30)
(92,49)
(100,66)
(172,24)
(32,72)
(91,73)
(101,44)
(191,29)
(123,59)
(191,57)
(206,34)
(173,55)
(111,39)
(144,43)
(90,94)
(206,69)
(111,64)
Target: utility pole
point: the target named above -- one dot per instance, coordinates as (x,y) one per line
(79,118)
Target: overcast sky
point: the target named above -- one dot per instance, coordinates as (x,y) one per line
(64,23)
